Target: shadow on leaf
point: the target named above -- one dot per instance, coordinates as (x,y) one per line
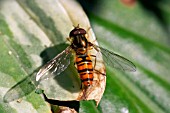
(29,84)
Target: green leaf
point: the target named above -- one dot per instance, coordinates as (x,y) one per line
(139,35)
(31,30)
(28,27)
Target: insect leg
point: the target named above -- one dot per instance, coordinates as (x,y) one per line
(95,60)
(95,66)
(97,71)
(88,29)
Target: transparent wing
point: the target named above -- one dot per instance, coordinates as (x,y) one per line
(114,60)
(56,65)
(27,85)
(19,90)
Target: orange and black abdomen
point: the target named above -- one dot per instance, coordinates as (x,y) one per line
(85,69)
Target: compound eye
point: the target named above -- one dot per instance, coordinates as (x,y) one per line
(82,31)
(77,31)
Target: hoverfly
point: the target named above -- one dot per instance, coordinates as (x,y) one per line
(80,45)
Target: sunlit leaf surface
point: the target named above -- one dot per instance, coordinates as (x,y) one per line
(139,32)
(33,31)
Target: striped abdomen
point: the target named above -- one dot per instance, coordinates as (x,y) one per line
(85,69)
